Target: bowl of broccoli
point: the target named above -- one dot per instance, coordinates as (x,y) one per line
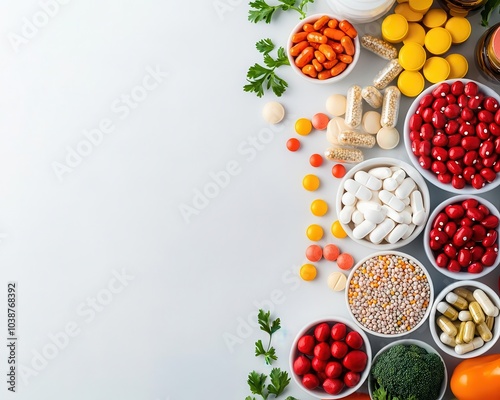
(407,369)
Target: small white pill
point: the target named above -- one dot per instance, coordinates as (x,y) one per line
(391,200)
(399,174)
(380,172)
(405,188)
(486,304)
(345,214)
(357,189)
(417,206)
(390,184)
(476,343)
(464,316)
(336,104)
(409,231)
(363,229)
(375,216)
(393,214)
(387,138)
(382,230)
(397,233)
(357,217)
(375,198)
(368,180)
(273,112)
(348,199)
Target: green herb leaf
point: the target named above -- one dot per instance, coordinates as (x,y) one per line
(259,348)
(487,10)
(270,356)
(257,383)
(291,398)
(265,46)
(250,398)
(279,381)
(261,11)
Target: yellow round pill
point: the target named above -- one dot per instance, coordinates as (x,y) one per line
(420,6)
(394,28)
(459,28)
(411,83)
(310,182)
(435,17)
(319,207)
(436,69)
(314,232)
(338,231)
(437,41)
(459,65)
(303,126)
(308,272)
(412,56)
(416,33)
(410,15)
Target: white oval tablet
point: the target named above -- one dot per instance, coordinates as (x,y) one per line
(381,231)
(397,233)
(371,122)
(380,172)
(348,199)
(363,229)
(357,217)
(368,180)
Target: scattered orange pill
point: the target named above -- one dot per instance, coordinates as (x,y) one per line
(331,252)
(293,144)
(345,261)
(338,231)
(338,171)
(314,253)
(320,121)
(303,126)
(316,160)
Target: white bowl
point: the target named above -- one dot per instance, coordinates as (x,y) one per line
(428,174)
(384,284)
(431,255)
(436,331)
(309,329)
(427,347)
(347,71)
(384,162)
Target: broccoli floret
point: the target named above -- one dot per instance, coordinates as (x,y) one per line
(408,372)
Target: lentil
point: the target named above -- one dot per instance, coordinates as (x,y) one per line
(379,46)
(389,294)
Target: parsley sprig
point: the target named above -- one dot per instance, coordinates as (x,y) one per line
(261,11)
(279,381)
(260,77)
(270,327)
(487,11)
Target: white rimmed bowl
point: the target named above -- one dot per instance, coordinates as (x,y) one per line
(350,67)
(427,347)
(431,254)
(319,392)
(428,174)
(384,162)
(436,331)
(386,306)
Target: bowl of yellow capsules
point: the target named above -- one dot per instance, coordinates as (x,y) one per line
(464,319)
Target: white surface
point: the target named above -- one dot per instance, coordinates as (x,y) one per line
(187,287)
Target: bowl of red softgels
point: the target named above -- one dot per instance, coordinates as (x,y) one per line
(461,237)
(330,358)
(452,136)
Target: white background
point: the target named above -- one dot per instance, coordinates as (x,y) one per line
(188,284)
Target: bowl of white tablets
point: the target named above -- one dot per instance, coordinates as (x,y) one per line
(383,203)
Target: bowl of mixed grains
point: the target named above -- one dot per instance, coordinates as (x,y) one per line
(389,294)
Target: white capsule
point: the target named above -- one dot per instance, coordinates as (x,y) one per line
(368,180)
(464,316)
(357,189)
(476,343)
(380,172)
(406,201)
(375,216)
(345,214)
(409,231)
(486,304)
(393,214)
(399,174)
(417,206)
(448,340)
(363,229)
(397,233)
(382,230)
(357,217)
(405,188)
(390,184)
(406,215)
(364,206)
(348,199)
(391,200)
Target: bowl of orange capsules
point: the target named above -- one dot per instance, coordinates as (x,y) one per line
(323,48)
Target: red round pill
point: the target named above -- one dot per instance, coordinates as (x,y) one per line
(320,121)
(338,171)
(293,144)
(316,160)
(331,252)
(314,253)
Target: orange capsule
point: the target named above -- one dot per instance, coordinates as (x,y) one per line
(333,23)
(336,46)
(330,64)
(338,68)
(348,45)
(345,58)
(299,37)
(297,49)
(308,28)
(310,70)
(321,22)
(335,34)
(319,56)
(305,57)
(315,45)
(317,65)
(328,52)
(347,27)
(325,74)
(316,37)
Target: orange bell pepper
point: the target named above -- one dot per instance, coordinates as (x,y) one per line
(357,396)
(477,378)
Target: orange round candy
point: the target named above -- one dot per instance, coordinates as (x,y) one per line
(314,253)
(345,261)
(293,144)
(320,121)
(338,171)
(331,252)
(316,160)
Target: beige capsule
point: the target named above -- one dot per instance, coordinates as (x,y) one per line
(387,74)
(356,139)
(344,154)
(379,46)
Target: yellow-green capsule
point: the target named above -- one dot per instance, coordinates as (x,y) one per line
(459,338)
(490,321)
(469,330)
(457,301)
(484,332)
(465,293)
(446,326)
(476,312)
(448,311)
